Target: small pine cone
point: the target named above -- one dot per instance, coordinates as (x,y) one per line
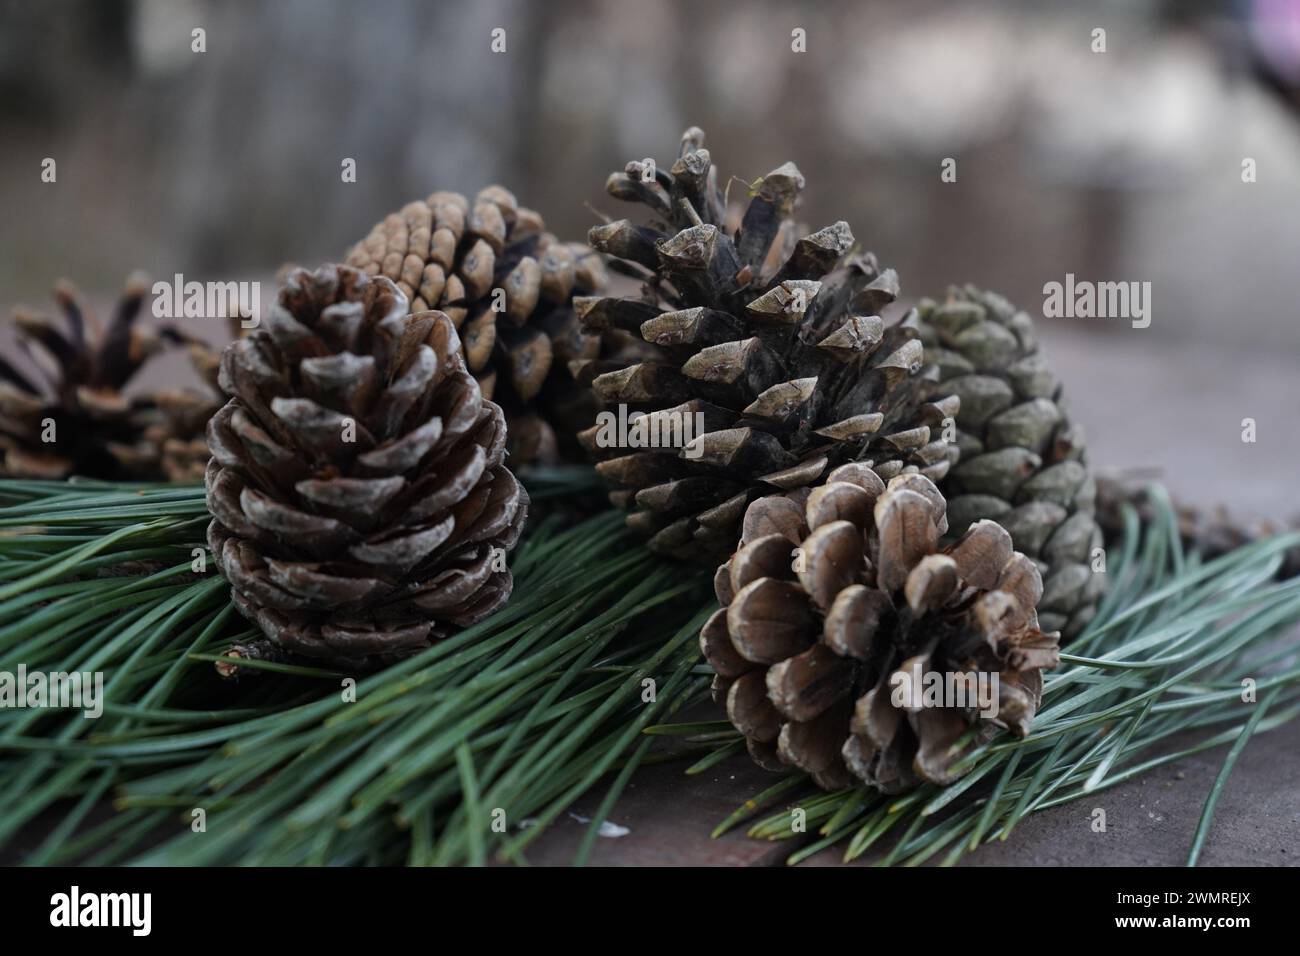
(361,509)
(97,431)
(1023,461)
(771,342)
(508,287)
(840,596)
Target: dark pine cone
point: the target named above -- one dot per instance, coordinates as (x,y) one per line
(361,507)
(833,592)
(76,377)
(508,287)
(776,341)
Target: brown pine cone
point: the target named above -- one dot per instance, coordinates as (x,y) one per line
(361,507)
(69,415)
(508,287)
(840,596)
(772,342)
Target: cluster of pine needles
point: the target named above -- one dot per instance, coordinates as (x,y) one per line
(465,752)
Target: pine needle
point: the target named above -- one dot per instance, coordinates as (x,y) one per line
(522,712)
(1212,799)
(526,711)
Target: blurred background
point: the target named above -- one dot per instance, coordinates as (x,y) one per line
(1125,165)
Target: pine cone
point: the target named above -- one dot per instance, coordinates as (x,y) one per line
(836,592)
(775,342)
(1023,461)
(98,432)
(360,506)
(493,259)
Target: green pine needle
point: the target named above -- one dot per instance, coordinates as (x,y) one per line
(522,712)
(572,683)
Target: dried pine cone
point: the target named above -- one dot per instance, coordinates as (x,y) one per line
(507,285)
(98,432)
(773,340)
(1023,461)
(833,593)
(360,506)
